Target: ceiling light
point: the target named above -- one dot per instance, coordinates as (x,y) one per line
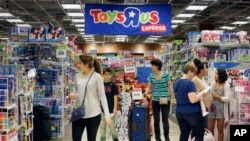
(88,36)
(240,22)
(75,14)
(82,33)
(3,38)
(227,27)
(174,26)
(6,15)
(178,21)
(23,25)
(81,29)
(185,15)
(71,6)
(248,17)
(121,36)
(14,20)
(78,20)
(196,7)
(80,25)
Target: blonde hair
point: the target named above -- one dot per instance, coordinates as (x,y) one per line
(190,66)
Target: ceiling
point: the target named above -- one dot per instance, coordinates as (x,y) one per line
(40,12)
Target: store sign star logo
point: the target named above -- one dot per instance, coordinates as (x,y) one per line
(132,14)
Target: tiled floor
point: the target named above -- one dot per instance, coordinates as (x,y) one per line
(174,133)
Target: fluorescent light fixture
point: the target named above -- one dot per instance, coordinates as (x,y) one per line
(152,39)
(3,38)
(14,20)
(122,36)
(78,20)
(6,15)
(178,21)
(248,17)
(88,36)
(80,25)
(196,7)
(240,22)
(75,14)
(23,25)
(174,26)
(185,15)
(227,27)
(71,6)
(82,33)
(81,29)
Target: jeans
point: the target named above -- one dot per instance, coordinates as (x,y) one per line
(164,109)
(188,122)
(112,128)
(92,125)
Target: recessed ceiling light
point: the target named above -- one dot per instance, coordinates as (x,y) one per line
(78,20)
(14,20)
(75,14)
(23,25)
(185,15)
(174,26)
(240,22)
(6,15)
(196,7)
(227,27)
(81,29)
(178,21)
(80,25)
(71,6)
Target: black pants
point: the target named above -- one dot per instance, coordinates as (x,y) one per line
(188,122)
(164,109)
(92,125)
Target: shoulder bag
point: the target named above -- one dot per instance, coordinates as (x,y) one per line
(79,112)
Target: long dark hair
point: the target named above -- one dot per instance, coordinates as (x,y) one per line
(199,65)
(91,62)
(222,75)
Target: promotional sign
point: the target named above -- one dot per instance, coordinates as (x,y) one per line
(128,19)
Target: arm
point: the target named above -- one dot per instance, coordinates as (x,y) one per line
(102,96)
(171,91)
(149,88)
(193,97)
(115,104)
(227,93)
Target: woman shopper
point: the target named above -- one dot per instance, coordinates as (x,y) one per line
(201,84)
(219,107)
(188,110)
(160,84)
(95,95)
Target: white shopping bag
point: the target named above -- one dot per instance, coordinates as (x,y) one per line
(208,136)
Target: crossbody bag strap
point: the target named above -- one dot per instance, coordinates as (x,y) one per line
(85,91)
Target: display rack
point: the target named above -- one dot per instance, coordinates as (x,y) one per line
(54,63)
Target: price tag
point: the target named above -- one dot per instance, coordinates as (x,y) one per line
(239,89)
(129,68)
(137,95)
(61,53)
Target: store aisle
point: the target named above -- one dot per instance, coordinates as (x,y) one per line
(174,133)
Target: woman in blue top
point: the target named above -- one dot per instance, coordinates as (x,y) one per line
(160,84)
(188,110)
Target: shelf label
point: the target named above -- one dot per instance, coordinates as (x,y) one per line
(137,95)
(129,68)
(239,89)
(61,53)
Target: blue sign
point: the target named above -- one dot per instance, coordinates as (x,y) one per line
(225,65)
(128,19)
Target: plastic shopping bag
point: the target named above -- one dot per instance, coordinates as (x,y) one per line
(208,136)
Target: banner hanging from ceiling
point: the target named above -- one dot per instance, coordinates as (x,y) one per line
(128,19)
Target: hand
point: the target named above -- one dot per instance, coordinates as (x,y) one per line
(172,101)
(108,121)
(115,111)
(225,124)
(73,96)
(68,117)
(215,95)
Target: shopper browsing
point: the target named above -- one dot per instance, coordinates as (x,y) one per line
(95,95)
(219,107)
(201,84)
(111,95)
(188,109)
(160,84)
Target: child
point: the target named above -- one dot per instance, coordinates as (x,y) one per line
(111,95)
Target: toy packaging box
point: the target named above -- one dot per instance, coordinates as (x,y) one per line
(37,34)
(243,37)
(54,34)
(19,34)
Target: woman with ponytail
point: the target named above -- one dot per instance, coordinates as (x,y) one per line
(90,69)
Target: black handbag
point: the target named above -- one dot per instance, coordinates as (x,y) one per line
(79,112)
